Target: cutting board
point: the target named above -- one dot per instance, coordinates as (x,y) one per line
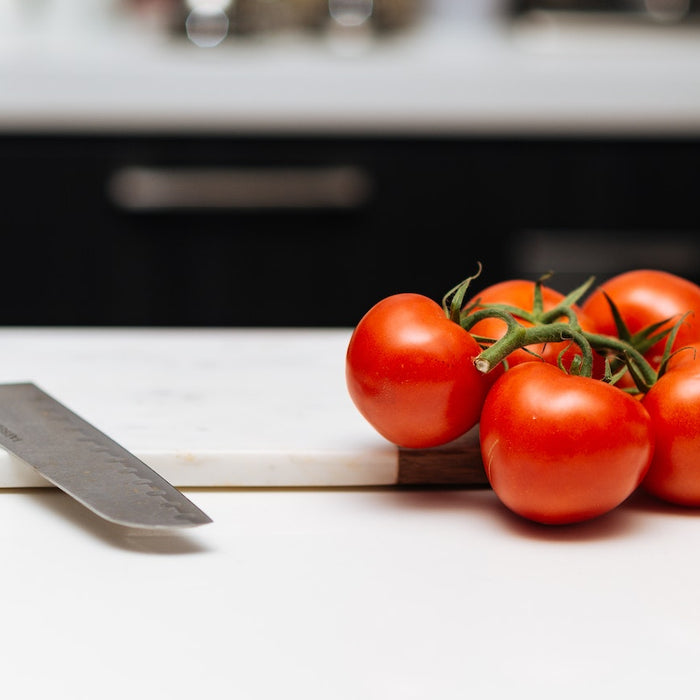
(223,407)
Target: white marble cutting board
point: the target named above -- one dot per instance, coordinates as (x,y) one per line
(207,407)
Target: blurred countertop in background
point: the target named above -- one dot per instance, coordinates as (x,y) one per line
(92,66)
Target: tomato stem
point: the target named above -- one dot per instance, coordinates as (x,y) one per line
(556,325)
(518,336)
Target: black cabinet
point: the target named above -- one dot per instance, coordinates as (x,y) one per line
(225,230)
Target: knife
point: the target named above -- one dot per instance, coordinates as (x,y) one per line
(87,464)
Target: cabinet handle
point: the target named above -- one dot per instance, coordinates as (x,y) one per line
(162,189)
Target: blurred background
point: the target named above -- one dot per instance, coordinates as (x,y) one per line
(290,162)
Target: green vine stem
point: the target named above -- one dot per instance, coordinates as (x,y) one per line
(604,343)
(545,327)
(518,336)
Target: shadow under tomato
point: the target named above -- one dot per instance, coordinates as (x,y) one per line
(466,503)
(619,522)
(145,541)
(643,502)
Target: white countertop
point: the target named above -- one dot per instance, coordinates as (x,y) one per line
(345,593)
(438,77)
(376,594)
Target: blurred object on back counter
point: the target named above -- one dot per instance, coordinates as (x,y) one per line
(227,19)
(612,10)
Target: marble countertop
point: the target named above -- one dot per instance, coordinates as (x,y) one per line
(438,77)
(314,593)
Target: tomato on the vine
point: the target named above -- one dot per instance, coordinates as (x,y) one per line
(410,372)
(560,448)
(645,297)
(520,293)
(674,406)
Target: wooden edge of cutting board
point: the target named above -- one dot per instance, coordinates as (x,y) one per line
(457,463)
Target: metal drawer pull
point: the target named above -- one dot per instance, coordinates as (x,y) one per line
(155,189)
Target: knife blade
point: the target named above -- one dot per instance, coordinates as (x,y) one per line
(88,465)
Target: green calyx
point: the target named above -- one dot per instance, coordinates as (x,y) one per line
(623,354)
(453,301)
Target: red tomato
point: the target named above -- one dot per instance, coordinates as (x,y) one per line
(674,406)
(410,372)
(558,448)
(645,297)
(521,294)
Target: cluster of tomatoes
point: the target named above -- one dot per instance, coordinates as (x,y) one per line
(580,399)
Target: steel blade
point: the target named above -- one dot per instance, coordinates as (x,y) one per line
(87,464)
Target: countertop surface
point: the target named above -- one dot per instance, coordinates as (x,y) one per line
(436,77)
(352,592)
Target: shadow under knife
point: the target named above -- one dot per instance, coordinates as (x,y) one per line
(166,541)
